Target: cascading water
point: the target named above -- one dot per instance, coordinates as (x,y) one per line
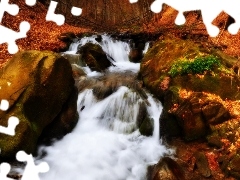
(118,50)
(106,144)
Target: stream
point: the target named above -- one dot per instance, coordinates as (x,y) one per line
(106,143)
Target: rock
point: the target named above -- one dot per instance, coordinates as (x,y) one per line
(146,128)
(214,140)
(67,37)
(98,38)
(192,124)
(76,62)
(77,71)
(74,59)
(202,164)
(187,111)
(166,169)
(94,57)
(65,121)
(215,113)
(34,84)
(234,166)
(158,61)
(135,55)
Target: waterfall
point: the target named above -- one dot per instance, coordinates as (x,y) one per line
(116,49)
(106,143)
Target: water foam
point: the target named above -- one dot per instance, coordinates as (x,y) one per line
(94,151)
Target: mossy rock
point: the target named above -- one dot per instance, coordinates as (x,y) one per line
(94,57)
(158,61)
(37,85)
(146,127)
(217,79)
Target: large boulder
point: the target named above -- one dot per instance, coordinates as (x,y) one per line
(94,56)
(167,169)
(37,86)
(185,76)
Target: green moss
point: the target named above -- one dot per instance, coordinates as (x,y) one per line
(196,66)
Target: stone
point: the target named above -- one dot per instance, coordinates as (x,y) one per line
(135,55)
(74,59)
(65,121)
(202,164)
(167,169)
(215,113)
(37,85)
(192,124)
(214,140)
(146,128)
(234,166)
(94,56)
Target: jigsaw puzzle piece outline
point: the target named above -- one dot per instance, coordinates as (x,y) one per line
(31,170)
(12,9)
(4,170)
(59,19)
(10,129)
(12,36)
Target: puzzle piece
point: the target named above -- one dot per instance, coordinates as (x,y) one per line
(51,16)
(31,170)
(12,9)
(12,124)
(208,12)
(12,36)
(12,121)
(4,170)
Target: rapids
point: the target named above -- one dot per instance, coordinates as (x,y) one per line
(106,144)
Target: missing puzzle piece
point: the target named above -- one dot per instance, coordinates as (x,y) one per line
(12,123)
(12,36)
(31,170)
(12,9)
(4,170)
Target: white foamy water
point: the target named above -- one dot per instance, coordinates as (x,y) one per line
(106,143)
(95,151)
(116,49)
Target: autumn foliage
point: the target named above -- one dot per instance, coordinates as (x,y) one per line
(43,35)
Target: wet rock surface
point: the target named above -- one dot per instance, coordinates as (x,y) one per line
(202,110)
(94,57)
(37,90)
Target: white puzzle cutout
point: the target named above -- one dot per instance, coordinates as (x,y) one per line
(4,170)
(31,170)
(30,2)
(76,11)
(59,19)
(8,35)
(12,9)
(51,16)
(12,121)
